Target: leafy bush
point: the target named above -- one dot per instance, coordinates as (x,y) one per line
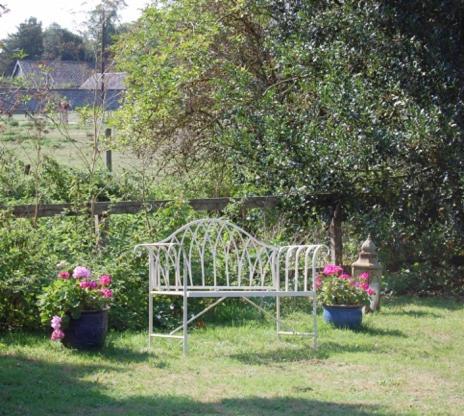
(30,253)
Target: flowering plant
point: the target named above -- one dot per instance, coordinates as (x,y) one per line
(339,288)
(70,294)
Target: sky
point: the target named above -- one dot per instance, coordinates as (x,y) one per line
(67,13)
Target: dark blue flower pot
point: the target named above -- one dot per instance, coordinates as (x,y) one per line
(88,331)
(343,316)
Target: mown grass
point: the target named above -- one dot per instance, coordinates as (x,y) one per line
(407,360)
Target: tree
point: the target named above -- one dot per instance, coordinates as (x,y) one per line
(102,28)
(60,43)
(363,100)
(27,42)
(3,10)
(28,38)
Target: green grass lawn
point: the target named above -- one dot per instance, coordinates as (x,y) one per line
(17,135)
(408,360)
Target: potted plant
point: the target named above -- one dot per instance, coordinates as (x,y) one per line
(76,306)
(343,296)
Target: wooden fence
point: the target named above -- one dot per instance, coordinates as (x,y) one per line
(104,209)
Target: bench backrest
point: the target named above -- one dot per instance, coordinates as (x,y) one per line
(214,253)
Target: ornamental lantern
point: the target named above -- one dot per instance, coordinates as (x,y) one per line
(368,262)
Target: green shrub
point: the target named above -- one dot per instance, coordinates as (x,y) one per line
(30,254)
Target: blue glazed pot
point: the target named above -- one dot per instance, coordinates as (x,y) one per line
(343,316)
(88,331)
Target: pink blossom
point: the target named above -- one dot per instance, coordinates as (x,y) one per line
(345,276)
(81,273)
(57,335)
(370,291)
(364,285)
(105,280)
(107,293)
(364,276)
(64,275)
(88,284)
(318,282)
(56,322)
(331,269)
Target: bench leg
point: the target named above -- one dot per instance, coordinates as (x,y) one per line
(278,314)
(315,323)
(150,318)
(185,326)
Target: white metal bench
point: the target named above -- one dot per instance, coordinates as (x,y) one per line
(213,258)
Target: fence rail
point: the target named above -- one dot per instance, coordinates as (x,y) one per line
(99,209)
(132,207)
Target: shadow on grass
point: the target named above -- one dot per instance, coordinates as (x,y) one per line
(380,332)
(34,387)
(117,354)
(302,353)
(413,314)
(111,352)
(439,302)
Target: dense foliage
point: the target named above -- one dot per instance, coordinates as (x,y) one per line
(359,99)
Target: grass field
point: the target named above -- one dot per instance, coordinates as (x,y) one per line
(17,134)
(408,360)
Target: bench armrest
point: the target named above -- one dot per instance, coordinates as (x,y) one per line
(296,258)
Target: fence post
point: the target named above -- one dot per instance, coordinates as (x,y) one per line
(101,221)
(336,235)
(101,229)
(109,156)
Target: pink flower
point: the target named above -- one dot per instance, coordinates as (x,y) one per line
(345,276)
(88,284)
(107,293)
(364,276)
(331,269)
(81,273)
(56,322)
(57,335)
(318,282)
(105,280)
(64,275)
(370,291)
(364,285)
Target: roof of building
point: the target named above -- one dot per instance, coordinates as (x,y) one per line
(111,80)
(56,74)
